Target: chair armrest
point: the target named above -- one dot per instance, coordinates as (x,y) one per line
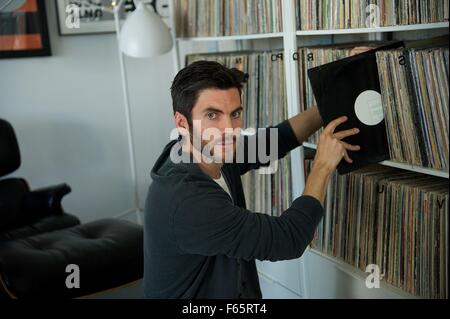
(47,201)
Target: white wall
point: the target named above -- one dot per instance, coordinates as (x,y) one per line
(68,114)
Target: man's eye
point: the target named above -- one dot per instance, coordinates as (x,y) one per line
(211,115)
(236,114)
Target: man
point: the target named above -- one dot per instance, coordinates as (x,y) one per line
(200,240)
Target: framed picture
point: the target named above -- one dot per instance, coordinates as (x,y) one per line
(23,29)
(95,16)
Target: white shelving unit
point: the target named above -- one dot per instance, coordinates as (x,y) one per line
(359,274)
(408,167)
(300,278)
(400,28)
(235,37)
(310,145)
(417,169)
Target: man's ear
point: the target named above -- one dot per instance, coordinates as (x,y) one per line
(182,126)
(181,121)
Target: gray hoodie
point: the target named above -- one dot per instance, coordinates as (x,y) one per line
(198,243)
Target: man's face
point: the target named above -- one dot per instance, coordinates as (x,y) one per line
(217,121)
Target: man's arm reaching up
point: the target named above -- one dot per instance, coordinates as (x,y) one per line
(306,123)
(291,133)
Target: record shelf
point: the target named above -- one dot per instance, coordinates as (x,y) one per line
(302,278)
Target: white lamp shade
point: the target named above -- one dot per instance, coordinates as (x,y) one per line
(144,34)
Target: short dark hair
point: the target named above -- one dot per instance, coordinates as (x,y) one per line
(199,76)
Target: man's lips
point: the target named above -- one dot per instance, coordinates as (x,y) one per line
(226,142)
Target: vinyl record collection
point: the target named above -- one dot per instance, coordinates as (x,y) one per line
(203,18)
(414,88)
(351,87)
(391,218)
(264,103)
(347,14)
(415,97)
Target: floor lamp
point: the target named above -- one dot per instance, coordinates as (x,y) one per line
(142,35)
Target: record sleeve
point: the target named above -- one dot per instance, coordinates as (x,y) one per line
(350,87)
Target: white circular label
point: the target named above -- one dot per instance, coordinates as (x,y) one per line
(369,107)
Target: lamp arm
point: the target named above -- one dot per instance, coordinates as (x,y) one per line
(116,7)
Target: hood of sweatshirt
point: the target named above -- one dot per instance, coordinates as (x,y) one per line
(174,166)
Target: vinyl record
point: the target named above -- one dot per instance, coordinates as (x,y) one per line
(350,87)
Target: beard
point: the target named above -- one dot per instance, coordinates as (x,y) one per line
(218,149)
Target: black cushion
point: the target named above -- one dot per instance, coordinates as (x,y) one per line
(9,149)
(108,253)
(45,224)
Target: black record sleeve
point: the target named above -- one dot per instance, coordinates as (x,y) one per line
(336,87)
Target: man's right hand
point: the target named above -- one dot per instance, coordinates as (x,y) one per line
(331,149)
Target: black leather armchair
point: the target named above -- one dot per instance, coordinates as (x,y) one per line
(38,240)
(24,212)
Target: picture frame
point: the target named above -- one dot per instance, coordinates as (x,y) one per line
(24,30)
(95,16)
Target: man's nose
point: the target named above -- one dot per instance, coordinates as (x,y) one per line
(226,123)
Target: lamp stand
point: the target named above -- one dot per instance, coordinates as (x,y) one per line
(128,120)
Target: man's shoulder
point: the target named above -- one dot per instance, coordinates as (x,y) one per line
(177,181)
(183,184)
